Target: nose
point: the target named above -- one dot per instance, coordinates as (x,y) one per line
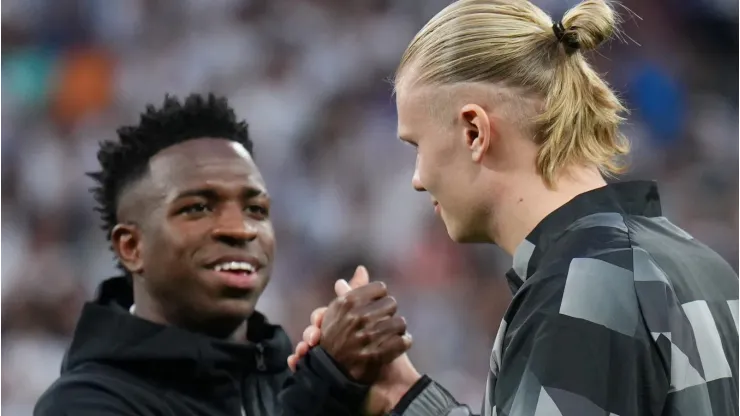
(415,181)
(233,228)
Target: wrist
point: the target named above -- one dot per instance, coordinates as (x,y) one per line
(398,390)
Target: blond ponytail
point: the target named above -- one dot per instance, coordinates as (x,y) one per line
(514,43)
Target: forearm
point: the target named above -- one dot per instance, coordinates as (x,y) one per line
(427,398)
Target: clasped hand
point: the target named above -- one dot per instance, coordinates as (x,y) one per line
(361,332)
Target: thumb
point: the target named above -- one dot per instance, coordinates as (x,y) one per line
(341,287)
(360,278)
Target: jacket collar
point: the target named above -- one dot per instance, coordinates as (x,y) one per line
(107,333)
(626,198)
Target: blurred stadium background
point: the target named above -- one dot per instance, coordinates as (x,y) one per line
(310,77)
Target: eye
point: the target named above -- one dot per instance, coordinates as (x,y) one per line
(195,209)
(258,210)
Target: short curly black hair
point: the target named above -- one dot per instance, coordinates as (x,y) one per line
(125,161)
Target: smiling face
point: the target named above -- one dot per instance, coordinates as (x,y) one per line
(450,144)
(203,243)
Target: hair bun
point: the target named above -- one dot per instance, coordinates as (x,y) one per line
(587,25)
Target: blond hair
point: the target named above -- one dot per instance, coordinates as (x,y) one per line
(513,43)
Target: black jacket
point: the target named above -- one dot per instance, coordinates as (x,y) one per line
(119,364)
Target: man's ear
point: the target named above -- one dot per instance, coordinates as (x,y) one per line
(477,130)
(126,241)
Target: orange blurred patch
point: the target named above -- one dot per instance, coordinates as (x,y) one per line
(85,85)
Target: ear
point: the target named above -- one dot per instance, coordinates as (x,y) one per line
(478,132)
(126,241)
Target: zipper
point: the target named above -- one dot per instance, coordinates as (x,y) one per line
(261,358)
(261,366)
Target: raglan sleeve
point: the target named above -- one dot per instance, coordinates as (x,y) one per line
(577,345)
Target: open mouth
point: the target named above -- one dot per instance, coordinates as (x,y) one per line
(238,267)
(237,274)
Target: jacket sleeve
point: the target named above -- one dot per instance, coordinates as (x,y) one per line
(319,387)
(427,398)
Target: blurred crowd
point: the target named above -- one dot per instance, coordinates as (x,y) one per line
(311,77)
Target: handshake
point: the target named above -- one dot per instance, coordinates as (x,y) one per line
(361,332)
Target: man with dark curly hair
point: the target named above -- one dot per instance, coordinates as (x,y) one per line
(187,214)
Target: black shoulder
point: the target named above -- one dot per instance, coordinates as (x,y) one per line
(90,394)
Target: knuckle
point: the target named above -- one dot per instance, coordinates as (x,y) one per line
(364,337)
(350,301)
(400,322)
(364,320)
(360,321)
(344,303)
(368,355)
(354,319)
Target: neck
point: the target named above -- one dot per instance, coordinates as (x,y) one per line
(146,308)
(531,201)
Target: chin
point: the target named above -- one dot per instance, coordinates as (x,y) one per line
(237,308)
(464,238)
(466,235)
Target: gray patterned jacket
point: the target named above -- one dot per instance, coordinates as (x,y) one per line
(616,312)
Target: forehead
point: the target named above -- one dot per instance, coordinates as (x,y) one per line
(412,105)
(204,162)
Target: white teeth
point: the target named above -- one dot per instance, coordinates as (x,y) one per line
(239,266)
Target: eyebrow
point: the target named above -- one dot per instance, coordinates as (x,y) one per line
(247,193)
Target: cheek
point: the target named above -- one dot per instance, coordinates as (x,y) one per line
(267,239)
(427,171)
(176,238)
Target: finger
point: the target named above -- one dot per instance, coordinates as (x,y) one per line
(377,311)
(391,349)
(360,278)
(408,340)
(364,294)
(292,361)
(301,350)
(341,287)
(386,328)
(310,335)
(317,316)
